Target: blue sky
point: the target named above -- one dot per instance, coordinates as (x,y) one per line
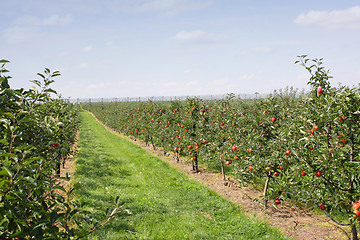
(129,48)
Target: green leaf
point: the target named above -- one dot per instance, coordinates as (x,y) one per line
(8,172)
(117,200)
(9,115)
(41,75)
(30,160)
(49,90)
(4,221)
(37,82)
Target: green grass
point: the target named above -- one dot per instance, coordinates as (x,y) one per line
(165,203)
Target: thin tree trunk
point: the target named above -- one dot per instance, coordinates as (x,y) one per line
(195,163)
(266,183)
(163,145)
(152,143)
(354,232)
(266,188)
(223,171)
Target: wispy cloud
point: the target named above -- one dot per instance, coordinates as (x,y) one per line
(83,65)
(20,34)
(107,85)
(192,83)
(219,81)
(88,48)
(53,20)
(170,84)
(172,7)
(246,76)
(347,18)
(256,50)
(216,86)
(196,36)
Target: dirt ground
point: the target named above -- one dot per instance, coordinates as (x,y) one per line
(297,224)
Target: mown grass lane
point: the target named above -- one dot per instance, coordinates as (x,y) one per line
(164,203)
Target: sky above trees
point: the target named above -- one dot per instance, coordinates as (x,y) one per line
(129,48)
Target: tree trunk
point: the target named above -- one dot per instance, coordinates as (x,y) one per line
(354,232)
(58,168)
(223,171)
(163,145)
(152,143)
(266,183)
(195,164)
(266,188)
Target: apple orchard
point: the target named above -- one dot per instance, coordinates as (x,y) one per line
(302,149)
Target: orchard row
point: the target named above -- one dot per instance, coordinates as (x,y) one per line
(303,149)
(37,133)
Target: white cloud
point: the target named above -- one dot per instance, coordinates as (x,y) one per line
(170,84)
(53,20)
(257,50)
(57,20)
(348,18)
(217,86)
(20,34)
(110,43)
(195,36)
(27,20)
(83,65)
(187,71)
(172,7)
(106,85)
(219,82)
(247,76)
(192,83)
(63,54)
(88,48)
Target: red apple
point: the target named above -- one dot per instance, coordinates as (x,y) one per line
(356,206)
(357,213)
(228,162)
(322,207)
(319,91)
(318,173)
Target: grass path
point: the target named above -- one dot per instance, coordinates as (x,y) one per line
(165,203)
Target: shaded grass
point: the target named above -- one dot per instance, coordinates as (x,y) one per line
(165,203)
